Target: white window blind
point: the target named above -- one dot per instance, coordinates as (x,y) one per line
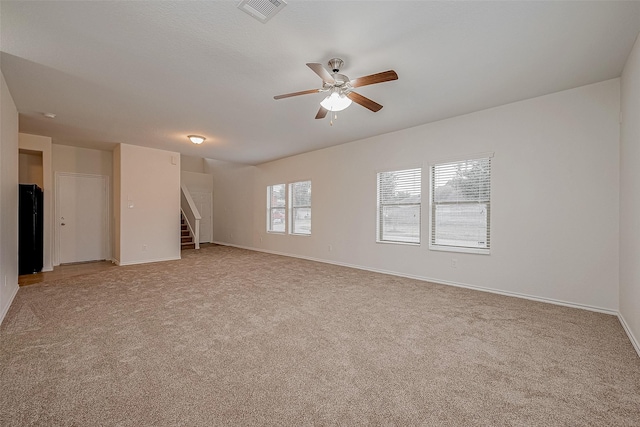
(276,208)
(460,205)
(300,207)
(399,206)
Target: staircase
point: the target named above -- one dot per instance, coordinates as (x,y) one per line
(186,238)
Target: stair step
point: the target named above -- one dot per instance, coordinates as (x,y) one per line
(186,241)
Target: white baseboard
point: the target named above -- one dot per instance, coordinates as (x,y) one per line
(145,261)
(5,310)
(627,329)
(440,282)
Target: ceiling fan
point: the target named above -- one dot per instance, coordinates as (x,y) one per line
(340,88)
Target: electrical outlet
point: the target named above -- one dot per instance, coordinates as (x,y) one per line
(454,263)
(260,239)
(144,248)
(330,248)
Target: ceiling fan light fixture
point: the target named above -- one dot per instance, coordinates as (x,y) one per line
(196,139)
(335,102)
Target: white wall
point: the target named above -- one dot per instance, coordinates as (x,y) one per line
(8,198)
(630,196)
(42,144)
(149,216)
(78,160)
(555,198)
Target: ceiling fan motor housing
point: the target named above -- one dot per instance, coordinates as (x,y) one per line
(335,64)
(340,79)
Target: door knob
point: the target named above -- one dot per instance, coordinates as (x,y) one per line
(62,223)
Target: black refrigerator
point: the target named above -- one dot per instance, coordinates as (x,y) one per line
(30,229)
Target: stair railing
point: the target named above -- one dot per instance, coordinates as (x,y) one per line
(191,214)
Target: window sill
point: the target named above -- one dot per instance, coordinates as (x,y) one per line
(479,251)
(387,242)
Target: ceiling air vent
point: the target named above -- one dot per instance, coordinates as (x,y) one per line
(262,10)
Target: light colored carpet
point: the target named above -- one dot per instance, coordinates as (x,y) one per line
(232,337)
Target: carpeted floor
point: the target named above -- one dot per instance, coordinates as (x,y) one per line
(232,337)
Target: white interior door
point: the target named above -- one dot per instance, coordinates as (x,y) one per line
(204,205)
(82,212)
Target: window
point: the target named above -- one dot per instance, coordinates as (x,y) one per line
(296,206)
(276,208)
(399,206)
(460,205)
(300,194)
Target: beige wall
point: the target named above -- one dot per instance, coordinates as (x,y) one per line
(233,203)
(8,198)
(82,160)
(85,161)
(197,182)
(630,196)
(554,217)
(149,214)
(30,168)
(117,206)
(42,144)
(192,164)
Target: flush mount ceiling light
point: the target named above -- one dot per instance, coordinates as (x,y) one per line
(196,139)
(49,115)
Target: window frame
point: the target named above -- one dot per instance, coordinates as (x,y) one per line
(291,208)
(433,204)
(271,208)
(380,207)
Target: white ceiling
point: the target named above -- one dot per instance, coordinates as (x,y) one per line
(150,73)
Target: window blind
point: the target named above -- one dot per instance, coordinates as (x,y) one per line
(399,206)
(300,207)
(460,204)
(276,208)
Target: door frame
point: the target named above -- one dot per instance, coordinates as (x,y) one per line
(106,229)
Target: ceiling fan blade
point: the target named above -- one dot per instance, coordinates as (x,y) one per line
(384,76)
(364,101)
(289,95)
(322,113)
(321,71)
